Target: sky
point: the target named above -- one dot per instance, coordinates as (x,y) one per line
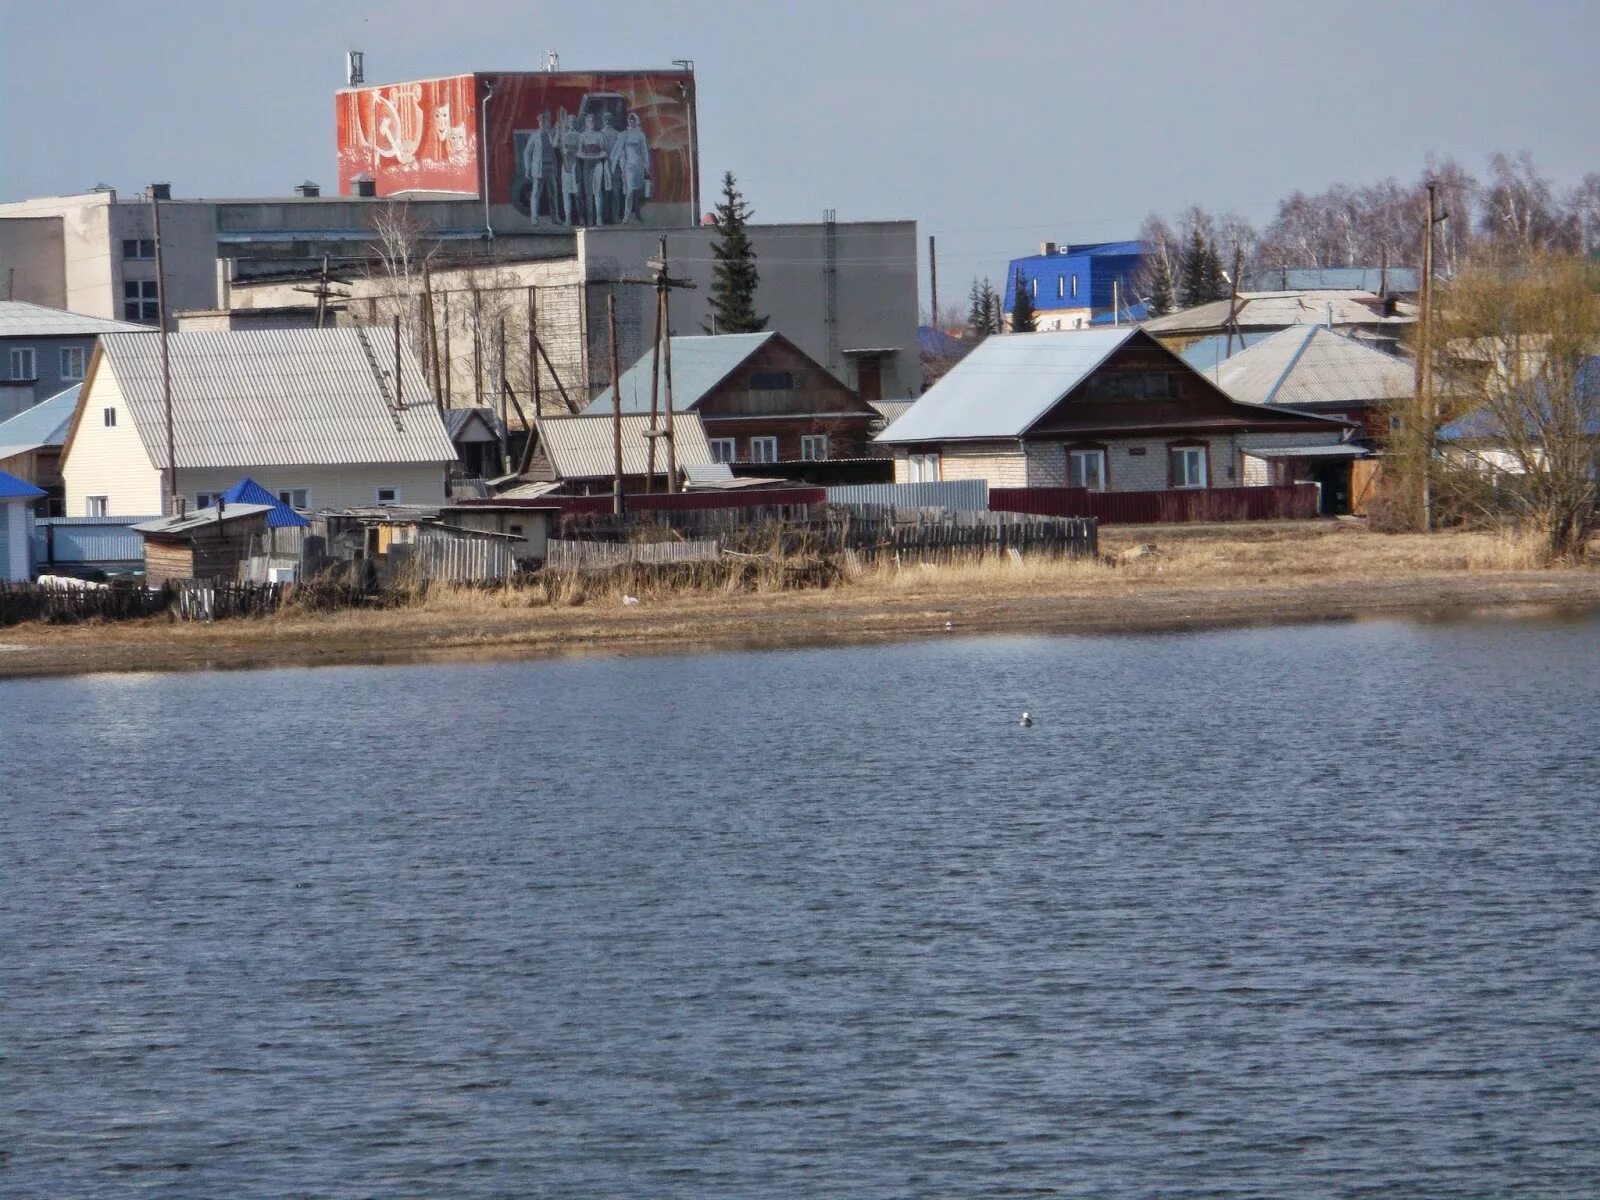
(994,125)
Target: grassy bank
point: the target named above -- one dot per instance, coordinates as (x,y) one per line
(1196,576)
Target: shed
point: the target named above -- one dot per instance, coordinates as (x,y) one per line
(16,527)
(209,544)
(529,522)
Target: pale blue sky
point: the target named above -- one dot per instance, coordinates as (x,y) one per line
(994,125)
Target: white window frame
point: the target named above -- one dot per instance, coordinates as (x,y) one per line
(924,468)
(1184,478)
(764,449)
(24,363)
(1080,478)
(1074,287)
(1061,287)
(108,417)
(97,506)
(1033,287)
(377,495)
(74,360)
(814,447)
(723,450)
(287,496)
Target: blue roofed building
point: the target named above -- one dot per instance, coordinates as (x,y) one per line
(1071,285)
(30,444)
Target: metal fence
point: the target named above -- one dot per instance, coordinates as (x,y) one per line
(1297,501)
(83,543)
(955,495)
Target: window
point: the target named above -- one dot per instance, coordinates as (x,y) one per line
(295,497)
(1134,385)
(205,499)
(138,248)
(1087,469)
(388,495)
(141,301)
(1188,466)
(1074,287)
(72,362)
(923,468)
(814,447)
(23,363)
(109,416)
(763,449)
(97,506)
(1033,289)
(721,449)
(1061,287)
(772,381)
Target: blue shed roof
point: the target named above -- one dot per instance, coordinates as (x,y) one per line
(248,491)
(45,424)
(12,488)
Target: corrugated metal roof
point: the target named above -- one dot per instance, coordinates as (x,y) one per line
(1279,310)
(45,424)
(1366,279)
(456,419)
(582,447)
(698,365)
(1311,364)
(12,488)
(21,319)
(279,397)
(1006,384)
(1341,450)
(248,491)
(892,410)
(199,518)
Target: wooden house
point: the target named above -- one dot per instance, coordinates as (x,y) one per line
(760,398)
(210,544)
(579,453)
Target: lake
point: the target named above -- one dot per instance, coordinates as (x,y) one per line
(1301,911)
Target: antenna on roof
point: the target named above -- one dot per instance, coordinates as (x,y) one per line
(552,60)
(354,68)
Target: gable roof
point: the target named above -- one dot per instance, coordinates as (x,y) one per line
(582,447)
(18,318)
(1278,310)
(12,488)
(699,363)
(274,397)
(1005,384)
(45,424)
(1311,364)
(248,491)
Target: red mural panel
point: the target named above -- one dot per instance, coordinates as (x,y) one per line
(410,137)
(563,148)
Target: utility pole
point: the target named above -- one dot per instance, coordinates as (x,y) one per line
(1424,406)
(655,386)
(505,414)
(446,341)
(173,502)
(1233,300)
(533,350)
(933,281)
(616,406)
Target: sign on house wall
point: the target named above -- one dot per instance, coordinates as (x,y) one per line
(563,148)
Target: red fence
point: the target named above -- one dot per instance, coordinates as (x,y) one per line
(672,501)
(1295,501)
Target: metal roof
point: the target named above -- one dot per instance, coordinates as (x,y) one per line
(45,424)
(1341,450)
(21,319)
(1278,310)
(891,410)
(12,488)
(1311,364)
(248,491)
(456,419)
(1005,384)
(581,447)
(1366,279)
(278,397)
(199,518)
(698,365)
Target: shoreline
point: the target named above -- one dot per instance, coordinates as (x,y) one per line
(700,623)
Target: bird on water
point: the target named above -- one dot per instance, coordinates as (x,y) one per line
(1026,721)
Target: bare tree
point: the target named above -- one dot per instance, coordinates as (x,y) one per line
(1520,341)
(1519,207)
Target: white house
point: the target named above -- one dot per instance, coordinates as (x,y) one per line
(17,498)
(322,418)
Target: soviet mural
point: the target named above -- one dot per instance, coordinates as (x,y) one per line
(563,148)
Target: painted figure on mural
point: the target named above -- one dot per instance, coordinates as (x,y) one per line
(539,166)
(570,174)
(609,135)
(452,144)
(631,162)
(592,159)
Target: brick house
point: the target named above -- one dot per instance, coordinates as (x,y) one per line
(1106,409)
(759,398)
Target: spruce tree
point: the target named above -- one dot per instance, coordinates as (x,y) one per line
(1163,292)
(1216,283)
(734,278)
(978,310)
(1192,282)
(1022,318)
(996,309)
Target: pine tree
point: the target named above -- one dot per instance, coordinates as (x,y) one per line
(1192,284)
(1163,292)
(734,278)
(1216,283)
(996,308)
(1022,319)
(978,310)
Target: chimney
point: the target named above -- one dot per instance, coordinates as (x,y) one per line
(1047,248)
(308,189)
(158,191)
(366,185)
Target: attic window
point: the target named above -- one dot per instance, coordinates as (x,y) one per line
(109,416)
(772,381)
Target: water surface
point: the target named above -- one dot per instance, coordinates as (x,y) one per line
(1293,911)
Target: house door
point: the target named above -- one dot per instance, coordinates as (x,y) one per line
(1335,480)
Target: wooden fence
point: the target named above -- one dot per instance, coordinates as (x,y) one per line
(62,604)
(1295,501)
(945,540)
(574,555)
